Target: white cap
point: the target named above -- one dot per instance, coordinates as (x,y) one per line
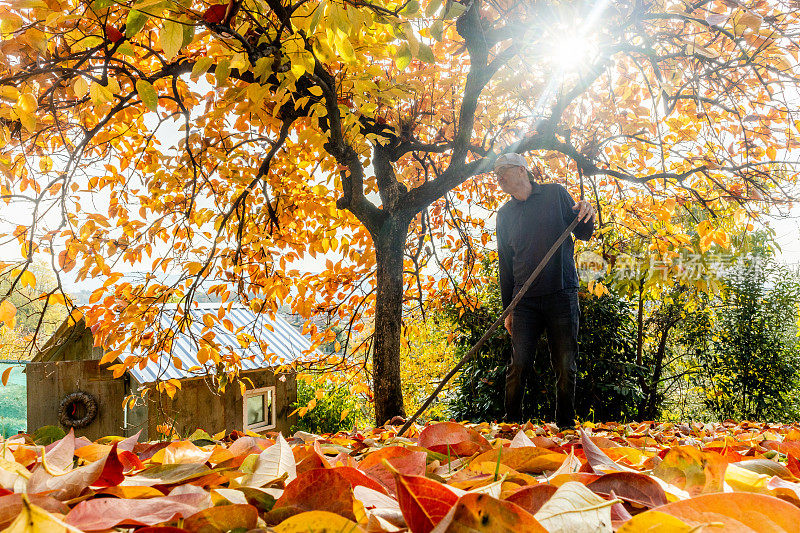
(510,160)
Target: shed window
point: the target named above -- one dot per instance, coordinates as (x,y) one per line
(259,409)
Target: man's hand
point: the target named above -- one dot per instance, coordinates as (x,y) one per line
(509,319)
(585,211)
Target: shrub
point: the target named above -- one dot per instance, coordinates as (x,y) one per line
(749,369)
(336,409)
(607,384)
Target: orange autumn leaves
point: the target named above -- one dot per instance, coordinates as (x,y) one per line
(445,477)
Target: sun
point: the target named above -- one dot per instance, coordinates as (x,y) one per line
(570,50)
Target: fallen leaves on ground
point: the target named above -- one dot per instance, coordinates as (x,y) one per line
(444,477)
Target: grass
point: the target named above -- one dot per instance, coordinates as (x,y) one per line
(13,402)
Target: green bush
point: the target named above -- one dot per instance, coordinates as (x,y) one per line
(607,383)
(326,416)
(752,356)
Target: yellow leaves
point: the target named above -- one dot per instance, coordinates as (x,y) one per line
(403,57)
(709,235)
(56,299)
(256,305)
(193,267)
(28,279)
(171,38)
(746,20)
(301,59)
(338,18)
(222,71)
(597,289)
(344,47)
(656,521)
(772,153)
(135,22)
(24,108)
(9,23)
(201,66)
(257,93)
(148,94)
(8,313)
(317,521)
(100,94)
(170,387)
(27,103)
(9,92)
(741,479)
(80,87)
(46,165)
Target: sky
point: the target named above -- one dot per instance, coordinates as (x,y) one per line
(787,231)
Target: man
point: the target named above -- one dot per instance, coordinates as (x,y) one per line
(527,226)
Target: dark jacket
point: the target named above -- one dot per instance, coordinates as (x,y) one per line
(526,230)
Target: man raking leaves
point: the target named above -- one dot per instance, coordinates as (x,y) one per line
(535,216)
(536,213)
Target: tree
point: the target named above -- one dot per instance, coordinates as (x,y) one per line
(32,320)
(355,128)
(753,352)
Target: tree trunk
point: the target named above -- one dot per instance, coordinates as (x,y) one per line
(649,411)
(389,245)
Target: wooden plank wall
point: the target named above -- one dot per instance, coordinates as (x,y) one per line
(196,405)
(49,382)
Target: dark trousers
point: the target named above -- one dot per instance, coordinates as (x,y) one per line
(558,314)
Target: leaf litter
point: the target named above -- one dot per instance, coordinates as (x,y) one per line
(443,477)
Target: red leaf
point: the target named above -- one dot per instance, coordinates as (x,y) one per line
(322,489)
(222,518)
(61,453)
(65,486)
(105,513)
(130,461)
(532,497)
(456,438)
(111,475)
(113,34)
(598,460)
(424,502)
(637,488)
(356,478)
(307,459)
(11,505)
(793,464)
(215,14)
(401,459)
(618,511)
(480,513)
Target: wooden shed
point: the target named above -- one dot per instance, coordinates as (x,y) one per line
(68,387)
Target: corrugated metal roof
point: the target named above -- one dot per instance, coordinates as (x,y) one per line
(284,342)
